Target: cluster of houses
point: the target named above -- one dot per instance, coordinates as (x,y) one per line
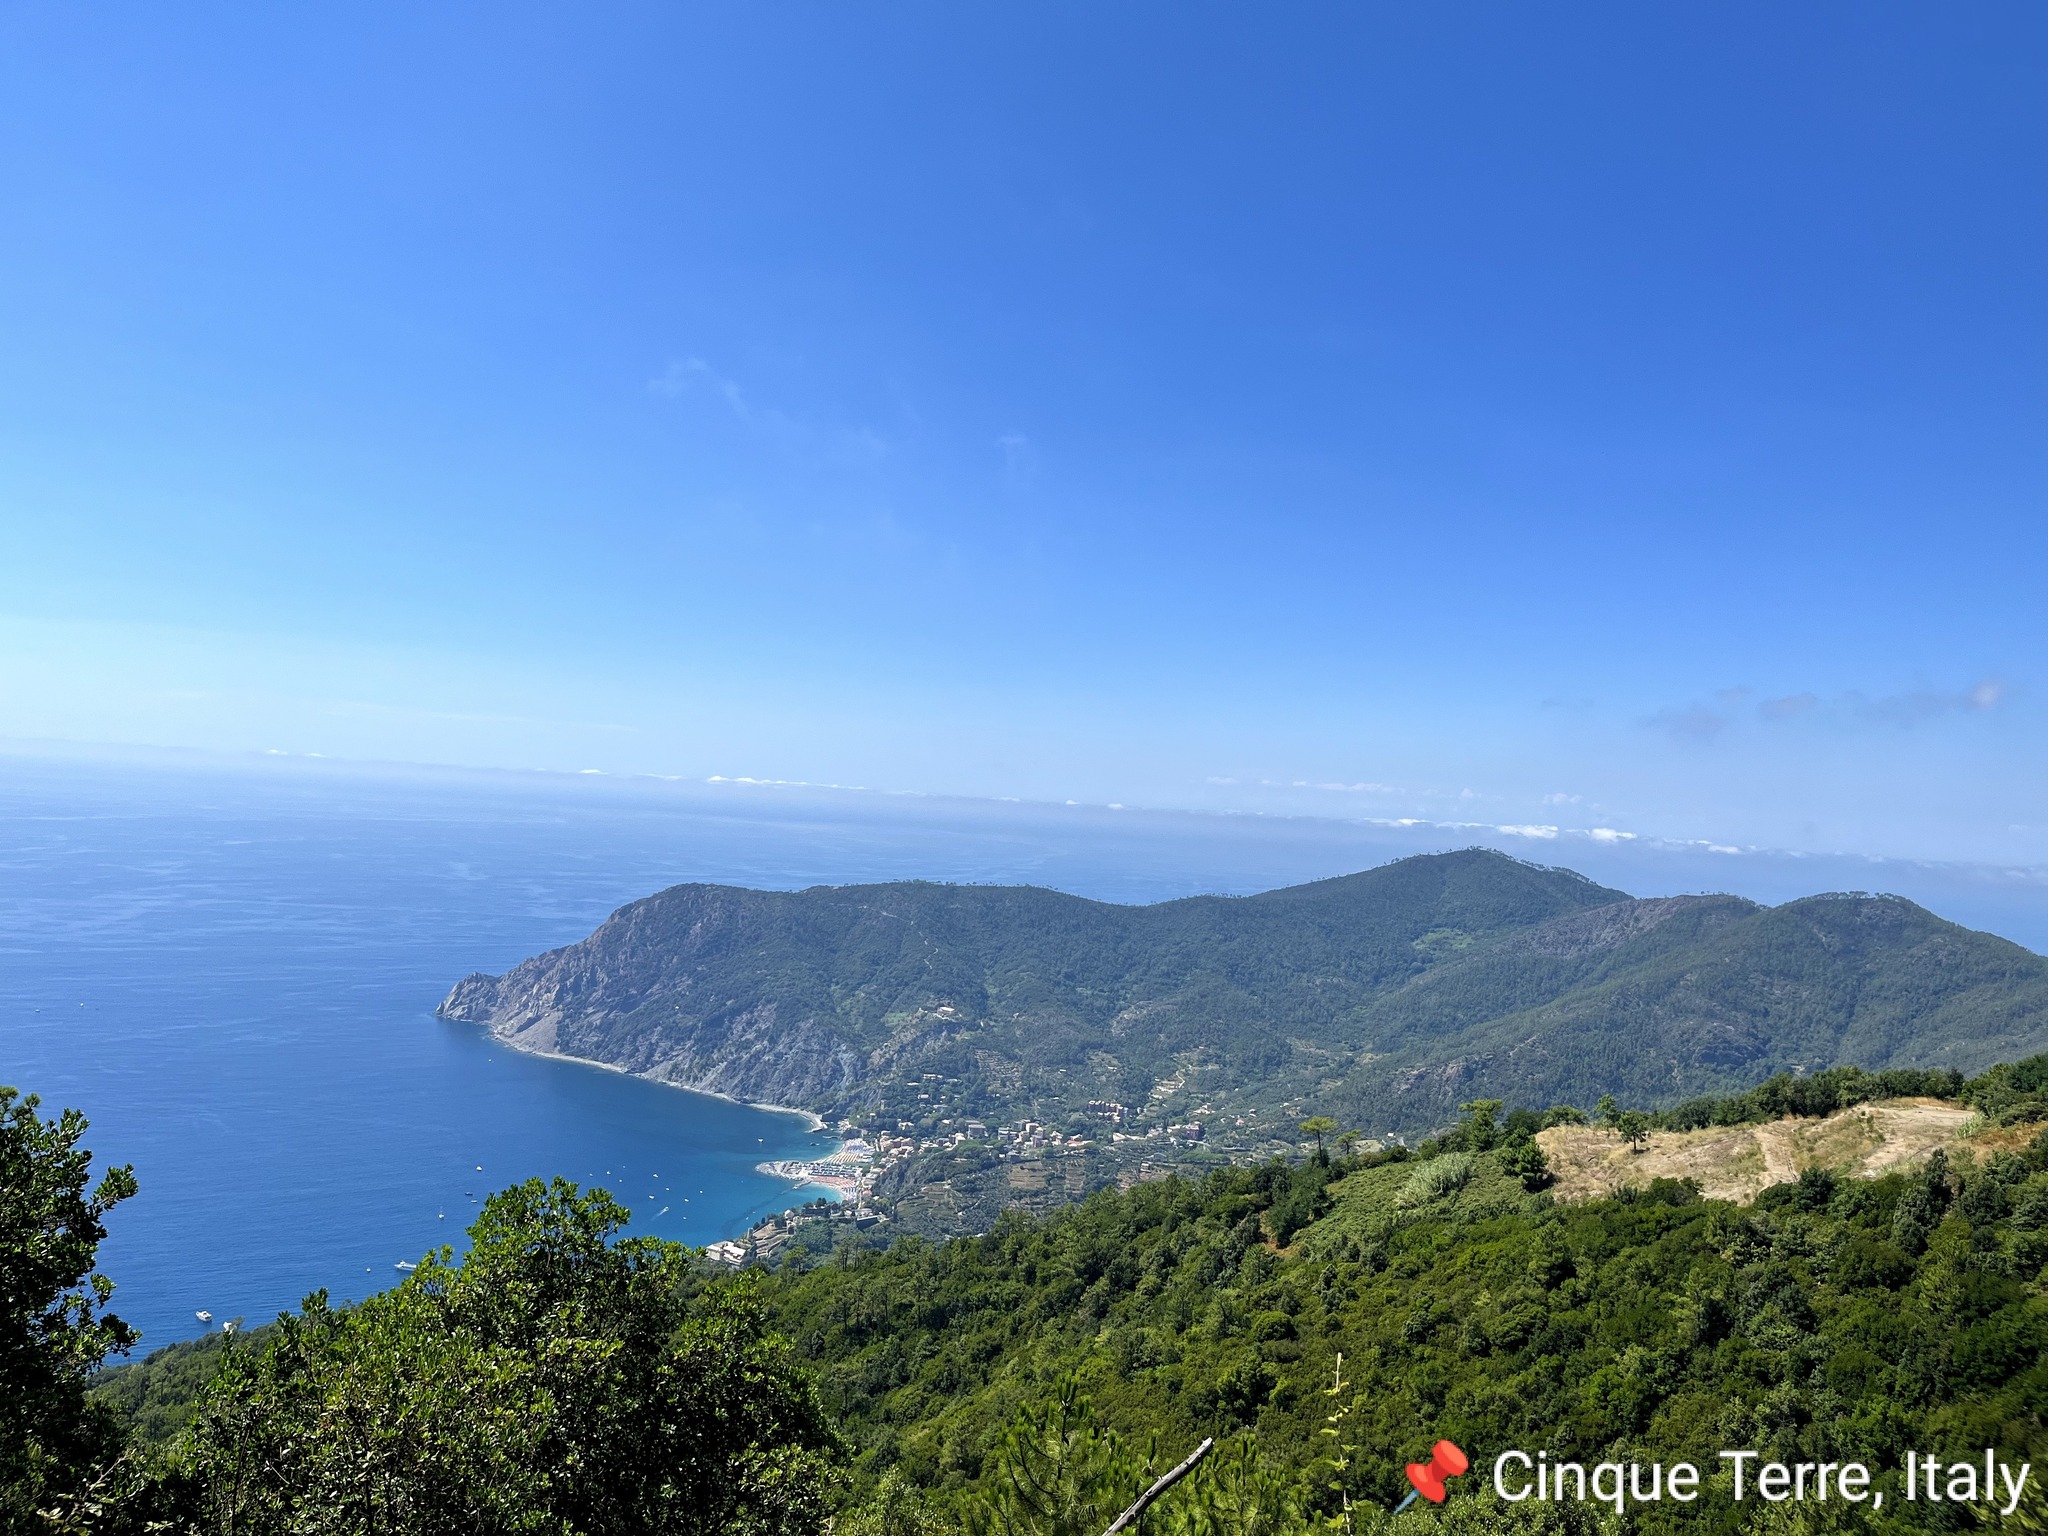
(764,1244)
(850,1171)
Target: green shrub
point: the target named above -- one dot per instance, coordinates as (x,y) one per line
(1440,1176)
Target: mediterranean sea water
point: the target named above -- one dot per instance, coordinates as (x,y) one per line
(233,975)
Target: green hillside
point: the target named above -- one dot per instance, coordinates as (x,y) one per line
(1324,1320)
(1830,1322)
(1384,998)
(1029,1003)
(1659,1000)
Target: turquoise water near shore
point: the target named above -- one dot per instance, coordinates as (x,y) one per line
(233,975)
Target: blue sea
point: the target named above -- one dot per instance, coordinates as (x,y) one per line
(232,972)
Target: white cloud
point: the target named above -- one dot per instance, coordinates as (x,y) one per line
(1367,788)
(694,373)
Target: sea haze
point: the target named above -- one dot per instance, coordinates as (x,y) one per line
(232,973)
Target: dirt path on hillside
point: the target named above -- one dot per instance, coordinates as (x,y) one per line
(1737,1162)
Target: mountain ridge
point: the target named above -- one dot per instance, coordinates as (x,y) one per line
(1384,997)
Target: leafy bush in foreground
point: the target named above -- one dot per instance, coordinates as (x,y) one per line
(554,1380)
(56,1445)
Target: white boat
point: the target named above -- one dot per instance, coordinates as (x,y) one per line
(204,1317)
(402,1264)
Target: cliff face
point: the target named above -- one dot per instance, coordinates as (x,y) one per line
(1385,997)
(748,1054)
(626,996)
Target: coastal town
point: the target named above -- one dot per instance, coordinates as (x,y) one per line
(851,1178)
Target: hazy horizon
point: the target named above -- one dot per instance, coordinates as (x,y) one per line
(1619,421)
(1123,852)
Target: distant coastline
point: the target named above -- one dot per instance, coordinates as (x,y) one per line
(788,1169)
(813,1121)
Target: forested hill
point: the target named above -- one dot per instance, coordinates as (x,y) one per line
(1324,1320)
(1385,998)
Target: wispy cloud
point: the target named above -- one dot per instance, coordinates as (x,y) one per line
(1693,723)
(693,374)
(1701,723)
(1790,707)
(1907,708)
(1020,461)
(1337,788)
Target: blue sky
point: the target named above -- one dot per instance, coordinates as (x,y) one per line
(1602,416)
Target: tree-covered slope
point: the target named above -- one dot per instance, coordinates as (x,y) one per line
(811,997)
(1327,1320)
(1655,1001)
(1833,1320)
(1386,997)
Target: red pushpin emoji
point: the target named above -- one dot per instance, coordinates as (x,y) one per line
(1427,1477)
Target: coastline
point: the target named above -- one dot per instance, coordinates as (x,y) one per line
(785,1168)
(777,1168)
(813,1121)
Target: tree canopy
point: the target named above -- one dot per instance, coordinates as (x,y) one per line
(557,1379)
(55,1329)
(1322,1321)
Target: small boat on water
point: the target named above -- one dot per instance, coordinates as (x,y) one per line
(204,1317)
(402,1264)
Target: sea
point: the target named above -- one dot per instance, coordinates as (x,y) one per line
(231,971)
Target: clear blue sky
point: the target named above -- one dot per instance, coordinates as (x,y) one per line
(1591,415)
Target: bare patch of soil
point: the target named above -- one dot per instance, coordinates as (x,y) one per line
(1738,1162)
